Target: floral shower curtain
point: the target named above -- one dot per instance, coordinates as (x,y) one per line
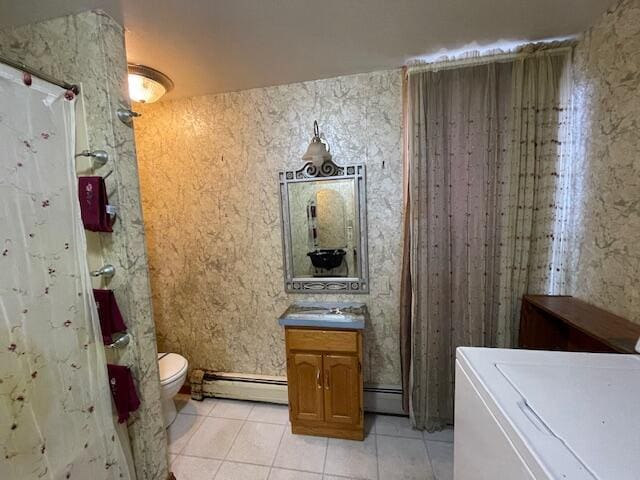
(485,171)
(55,406)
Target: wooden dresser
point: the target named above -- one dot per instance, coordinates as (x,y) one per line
(569,324)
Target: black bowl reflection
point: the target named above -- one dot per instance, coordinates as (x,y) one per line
(327,258)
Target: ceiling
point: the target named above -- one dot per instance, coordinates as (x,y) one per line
(212,46)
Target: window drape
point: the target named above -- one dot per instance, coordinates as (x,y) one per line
(484,213)
(536,180)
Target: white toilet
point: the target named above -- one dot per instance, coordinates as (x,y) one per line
(173,372)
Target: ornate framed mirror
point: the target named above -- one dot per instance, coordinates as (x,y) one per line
(324,228)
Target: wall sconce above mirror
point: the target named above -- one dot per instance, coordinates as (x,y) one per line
(324,224)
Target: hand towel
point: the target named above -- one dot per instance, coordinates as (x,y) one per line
(92,194)
(110,317)
(123,390)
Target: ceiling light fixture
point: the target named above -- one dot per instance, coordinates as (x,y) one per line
(147,85)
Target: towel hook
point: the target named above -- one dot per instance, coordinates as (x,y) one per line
(106,271)
(126,115)
(100,157)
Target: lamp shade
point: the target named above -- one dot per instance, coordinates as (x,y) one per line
(147,85)
(317,152)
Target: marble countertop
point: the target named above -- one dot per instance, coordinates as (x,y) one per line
(334,315)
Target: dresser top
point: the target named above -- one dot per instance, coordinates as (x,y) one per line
(617,332)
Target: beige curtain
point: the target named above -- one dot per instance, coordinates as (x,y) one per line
(535,176)
(483,165)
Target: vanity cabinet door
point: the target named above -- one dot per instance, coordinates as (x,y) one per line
(305,386)
(342,389)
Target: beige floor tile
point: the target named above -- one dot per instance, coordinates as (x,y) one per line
(181,430)
(352,458)
(282,474)
(269,413)
(213,438)
(403,458)
(185,404)
(301,452)
(395,426)
(194,468)
(441,455)
(241,471)
(256,443)
(236,409)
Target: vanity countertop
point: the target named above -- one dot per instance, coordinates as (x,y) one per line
(333,315)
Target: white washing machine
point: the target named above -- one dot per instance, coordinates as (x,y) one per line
(523,414)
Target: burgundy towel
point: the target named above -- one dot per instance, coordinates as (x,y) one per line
(92,194)
(110,317)
(123,390)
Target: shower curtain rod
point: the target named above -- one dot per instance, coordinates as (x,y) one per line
(43,76)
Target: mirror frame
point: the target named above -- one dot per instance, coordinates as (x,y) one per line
(310,173)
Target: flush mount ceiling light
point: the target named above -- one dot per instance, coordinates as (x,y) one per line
(147,85)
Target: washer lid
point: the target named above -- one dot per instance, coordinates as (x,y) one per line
(171,366)
(551,406)
(593,410)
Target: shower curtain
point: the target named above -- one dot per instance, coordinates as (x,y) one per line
(56,418)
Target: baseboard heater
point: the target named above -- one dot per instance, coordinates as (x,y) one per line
(272,389)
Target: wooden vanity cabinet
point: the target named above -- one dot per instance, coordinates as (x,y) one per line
(324,378)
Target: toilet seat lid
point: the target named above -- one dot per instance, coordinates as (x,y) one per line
(171,365)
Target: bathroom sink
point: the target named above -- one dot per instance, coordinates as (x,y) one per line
(345,315)
(327,259)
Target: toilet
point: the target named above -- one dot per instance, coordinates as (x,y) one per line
(173,372)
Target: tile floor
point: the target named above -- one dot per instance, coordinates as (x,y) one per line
(235,440)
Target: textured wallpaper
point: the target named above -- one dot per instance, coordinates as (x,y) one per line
(88,48)
(607,163)
(209,172)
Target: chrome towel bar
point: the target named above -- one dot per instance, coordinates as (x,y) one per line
(121,341)
(100,157)
(107,271)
